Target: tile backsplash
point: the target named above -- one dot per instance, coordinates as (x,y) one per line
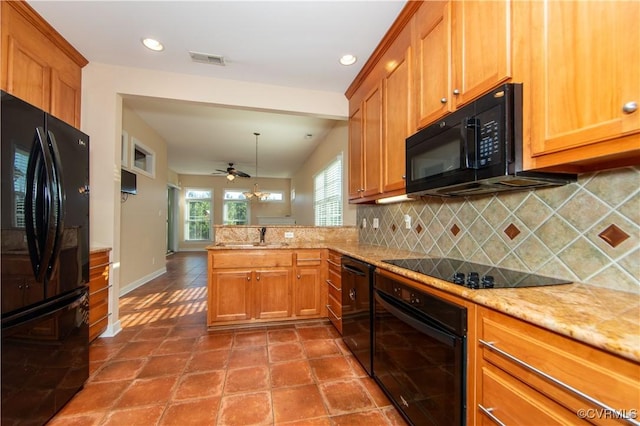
(588,231)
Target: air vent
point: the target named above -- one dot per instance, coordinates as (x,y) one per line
(207,58)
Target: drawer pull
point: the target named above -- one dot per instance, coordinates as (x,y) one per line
(101,319)
(100,290)
(333,263)
(492,346)
(334,286)
(309,260)
(489,413)
(333,313)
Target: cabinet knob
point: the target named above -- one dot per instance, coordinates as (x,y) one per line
(248,277)
(456,92)
(298,276)
(630,107)
(258,278)
(404,177)
(443,100)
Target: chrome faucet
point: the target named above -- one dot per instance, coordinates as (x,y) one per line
(263,231)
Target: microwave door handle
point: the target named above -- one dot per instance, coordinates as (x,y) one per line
(469,142)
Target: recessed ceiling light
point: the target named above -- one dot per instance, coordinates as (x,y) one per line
(348,60)
(152,44)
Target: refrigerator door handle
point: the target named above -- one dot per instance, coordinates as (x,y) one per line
(57,186)
(39,206)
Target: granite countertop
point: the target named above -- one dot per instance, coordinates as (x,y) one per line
(604,318)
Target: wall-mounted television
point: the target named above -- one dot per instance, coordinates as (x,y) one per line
(128,182)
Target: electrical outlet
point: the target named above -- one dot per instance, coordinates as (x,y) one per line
(288,234)
(364,222)
(376,223)
(407,221)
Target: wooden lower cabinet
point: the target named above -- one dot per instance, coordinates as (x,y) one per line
(309,295)
(334,289)
(98,292)
(254,286)
(273,293)
(529,375)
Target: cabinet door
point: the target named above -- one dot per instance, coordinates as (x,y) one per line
(65,98)
(273,293)
(481,47)
(230,295)
(356,166)
(28,75)
(585,67)
(372,146)
(432,47)
(397,117)
(308,298)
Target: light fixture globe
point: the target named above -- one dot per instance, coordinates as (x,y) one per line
(256,193)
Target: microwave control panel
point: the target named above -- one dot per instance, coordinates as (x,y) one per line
(489,148)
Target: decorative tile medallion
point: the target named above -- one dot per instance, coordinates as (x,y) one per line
(613,235)
(393,227)
(512,231)
(455,230)
(418,228)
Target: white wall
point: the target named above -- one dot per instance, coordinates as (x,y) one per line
(143,217)
(336,142)
(102,90)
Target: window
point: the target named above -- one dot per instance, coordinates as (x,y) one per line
(235,210)
(143,159)
(198,207)
(327,195)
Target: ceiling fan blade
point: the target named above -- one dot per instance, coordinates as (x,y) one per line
(241,174)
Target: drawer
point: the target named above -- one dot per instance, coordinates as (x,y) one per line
(98,328)
(251,259)
(308,257)
(605,377)
(334,259)
(335,278)
(334,312)
(334,290)
(98,295)
(98,311)
(512,402)
(98,259)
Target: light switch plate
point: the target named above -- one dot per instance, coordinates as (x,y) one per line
(376,223)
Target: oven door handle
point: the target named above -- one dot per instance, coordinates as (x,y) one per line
(353,270)
(440,335)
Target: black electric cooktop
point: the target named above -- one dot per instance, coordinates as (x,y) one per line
(474,275)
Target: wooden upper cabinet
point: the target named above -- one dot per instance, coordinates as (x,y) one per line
(365,146)
(584,81)
(356,162)
(481,43)
(372,142)
(38,65)
(432,47)
(462,50)
(397,118)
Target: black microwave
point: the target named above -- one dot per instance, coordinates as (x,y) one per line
(475,150)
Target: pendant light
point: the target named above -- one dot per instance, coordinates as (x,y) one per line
(256,194)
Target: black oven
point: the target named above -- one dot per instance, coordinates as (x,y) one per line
(419,355)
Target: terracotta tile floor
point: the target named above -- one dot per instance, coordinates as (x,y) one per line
(165,368)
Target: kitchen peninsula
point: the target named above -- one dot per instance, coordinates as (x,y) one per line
(589,331)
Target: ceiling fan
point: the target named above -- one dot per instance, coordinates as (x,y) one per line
(232,172)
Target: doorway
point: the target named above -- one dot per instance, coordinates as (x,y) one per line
(172,217)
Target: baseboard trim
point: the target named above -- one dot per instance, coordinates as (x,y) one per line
(112,329)
(142,281)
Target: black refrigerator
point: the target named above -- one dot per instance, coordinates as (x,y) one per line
(44,262)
